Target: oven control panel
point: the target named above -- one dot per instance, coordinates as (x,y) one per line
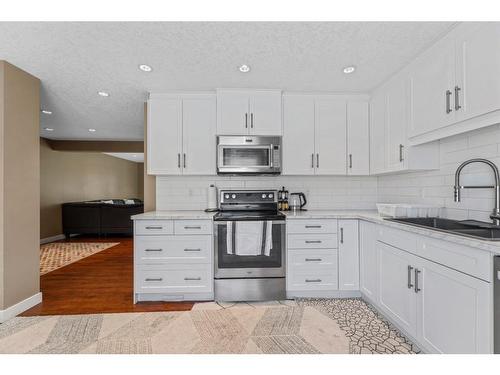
(248,196)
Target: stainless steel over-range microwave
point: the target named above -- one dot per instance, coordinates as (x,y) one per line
(241,154)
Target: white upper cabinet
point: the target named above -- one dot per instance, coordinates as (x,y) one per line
(455,85)
(330,136)
(256,112)
(298,135)
(390,150)
(181,134)
(358,138)
(164,134)
(478,69)
(432,80)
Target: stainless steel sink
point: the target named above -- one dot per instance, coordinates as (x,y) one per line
(467,228)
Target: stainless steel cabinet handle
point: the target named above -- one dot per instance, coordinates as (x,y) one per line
(246,120)
(417,289)
(192,249)
(317,160)
(457,98)
(192,227)
(152,227)
(410,285)
(341,235)
(251,120)
(316,241)
(312,160)
(401,153)
(350,161)
(313,280)
(448,105)
(178,160)
(192,278)
(154,279)
(153,250)
(313,259)
(313,226)
(184,160)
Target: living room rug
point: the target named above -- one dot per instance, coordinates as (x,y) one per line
(332,326)
(59,254)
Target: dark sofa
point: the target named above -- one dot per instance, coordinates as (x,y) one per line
(100,218)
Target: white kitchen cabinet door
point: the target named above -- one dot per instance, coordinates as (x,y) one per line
(265,113)
(396,298)
(198,140)
(298,135)
(478,69)
(377,132)
(454,311)
(330,136)
(348,235)
(432,80)
(233,117)
(164,127)
(358,138)
(368,260)
(396,123)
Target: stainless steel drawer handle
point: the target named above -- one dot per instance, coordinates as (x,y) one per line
(341,235)
(457,98)
(313,226)
(310,241)
(448,105)
(154,279)
(417,289)
(313,280)
(151,227)
(148,250)
(313,259)
(192,249)
(192,227)
(410,285)
(192,278)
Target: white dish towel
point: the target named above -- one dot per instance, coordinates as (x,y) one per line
(249,238)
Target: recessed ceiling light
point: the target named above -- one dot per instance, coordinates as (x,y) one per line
(145,68)
(103,93)
(47,112)
(92,130)
(244,68)
(49,129)
(349,69)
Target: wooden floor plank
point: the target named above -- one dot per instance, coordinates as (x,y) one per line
(100,283)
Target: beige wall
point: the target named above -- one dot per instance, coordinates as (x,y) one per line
(78,176)
(19,185)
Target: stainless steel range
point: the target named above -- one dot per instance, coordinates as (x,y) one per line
(249,246)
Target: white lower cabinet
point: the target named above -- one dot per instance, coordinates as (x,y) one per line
(368,260)
(348,255)
(444,310)
(173,260)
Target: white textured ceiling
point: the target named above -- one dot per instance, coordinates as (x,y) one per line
(75,60)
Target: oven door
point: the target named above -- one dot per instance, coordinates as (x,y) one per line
(232,266)
(245,159)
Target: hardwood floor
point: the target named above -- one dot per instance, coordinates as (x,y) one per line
(100,283)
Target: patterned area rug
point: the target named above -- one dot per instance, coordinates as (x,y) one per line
(59,254)
(277,327)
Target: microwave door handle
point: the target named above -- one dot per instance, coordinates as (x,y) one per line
(271,157)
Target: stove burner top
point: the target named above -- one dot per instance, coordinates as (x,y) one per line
(249,216)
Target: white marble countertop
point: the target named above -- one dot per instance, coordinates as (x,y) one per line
(174,215)
(367,215)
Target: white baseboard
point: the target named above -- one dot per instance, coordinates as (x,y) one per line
(323,294)
(20,307)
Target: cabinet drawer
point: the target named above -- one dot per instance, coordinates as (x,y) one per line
(312,241)
(193,227)
(318,280)
(311,226)
(459,257)
(186,278)
(173,249)
(398,238)
(312,260)
(152,227)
